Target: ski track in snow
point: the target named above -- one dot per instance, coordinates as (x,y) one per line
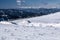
(23,30)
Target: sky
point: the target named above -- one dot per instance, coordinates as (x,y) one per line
(32,3)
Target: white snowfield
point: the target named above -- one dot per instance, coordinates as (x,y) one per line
(32,28)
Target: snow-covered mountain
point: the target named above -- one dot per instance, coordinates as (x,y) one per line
(38,28)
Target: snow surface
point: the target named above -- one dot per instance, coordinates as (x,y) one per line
(36,29)
(5,22)
(52,18)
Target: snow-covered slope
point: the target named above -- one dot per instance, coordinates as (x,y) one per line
(38,28)
(21,32)
(52,18)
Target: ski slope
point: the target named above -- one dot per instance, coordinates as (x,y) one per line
(38,28)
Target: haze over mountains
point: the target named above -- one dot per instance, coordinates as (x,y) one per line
(32,3)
